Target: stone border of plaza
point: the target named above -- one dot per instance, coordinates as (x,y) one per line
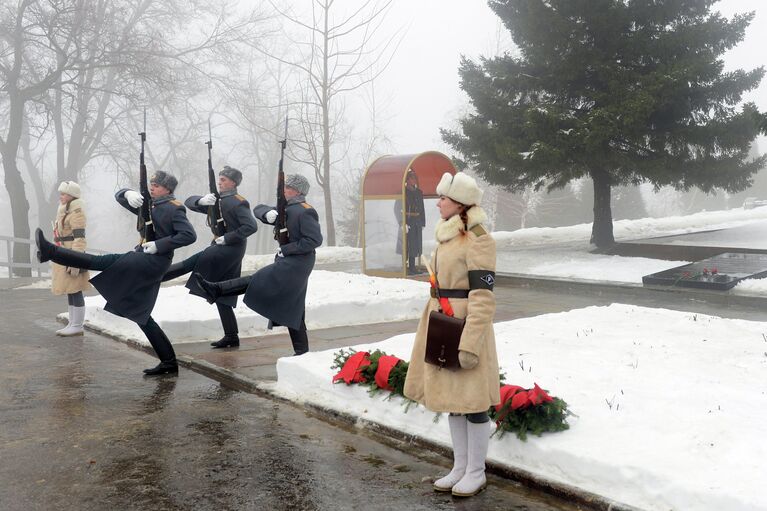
(402,440)
(599,287)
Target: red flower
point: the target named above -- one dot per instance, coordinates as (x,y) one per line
(507,392)
(714,271)
(385,364)
(520,400)
(351,372)
(538,396)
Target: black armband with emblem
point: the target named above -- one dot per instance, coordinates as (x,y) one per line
(78,233)
(481,279)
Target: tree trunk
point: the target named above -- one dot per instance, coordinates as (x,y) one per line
(602,228)
(14,184)
(330,238)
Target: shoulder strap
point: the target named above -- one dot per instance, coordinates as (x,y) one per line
(478,230)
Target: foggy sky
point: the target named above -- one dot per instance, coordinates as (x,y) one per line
(422,80)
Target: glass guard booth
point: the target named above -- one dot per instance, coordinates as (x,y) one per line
(385,211)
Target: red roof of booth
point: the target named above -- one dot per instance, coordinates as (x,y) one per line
(386,175)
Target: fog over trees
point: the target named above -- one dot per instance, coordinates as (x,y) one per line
(76,75)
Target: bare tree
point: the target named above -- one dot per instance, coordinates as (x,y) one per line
(77,69)
(336,57)
(372,144)
(35,52)
(258,100)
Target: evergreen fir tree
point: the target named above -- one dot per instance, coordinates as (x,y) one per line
(621,91)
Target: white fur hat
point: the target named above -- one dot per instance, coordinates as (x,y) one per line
(460,187)
(70,188)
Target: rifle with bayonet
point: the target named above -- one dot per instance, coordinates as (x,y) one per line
(281,224)
(215,218)
(144,224)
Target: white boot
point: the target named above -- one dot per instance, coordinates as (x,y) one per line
(76,319)
(69,321)
(458,436)
(474,480)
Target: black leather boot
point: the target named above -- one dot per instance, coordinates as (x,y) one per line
(162,347)
(47,251)
(229,322)
(300,341)
(168,367)
(214,290)
(227,341)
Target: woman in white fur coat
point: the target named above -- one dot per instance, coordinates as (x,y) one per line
(69,232)
(464,262)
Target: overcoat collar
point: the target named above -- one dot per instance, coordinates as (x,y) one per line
(160,200)
(297,199)
(453,226)
(69,206)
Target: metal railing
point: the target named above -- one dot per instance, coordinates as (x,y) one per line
(8,262)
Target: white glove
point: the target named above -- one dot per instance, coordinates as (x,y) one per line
(271,216)
(407,228)
(150,247)
(279,252)
(220,241)
(207,200)
(73,271)
(135,200)
(467,360)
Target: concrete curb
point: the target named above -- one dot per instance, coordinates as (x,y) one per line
(379,431)
(404,440)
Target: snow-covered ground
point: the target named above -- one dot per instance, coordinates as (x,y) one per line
(671,406)
(333,299)
(563,252)
(325,255)
(633,229)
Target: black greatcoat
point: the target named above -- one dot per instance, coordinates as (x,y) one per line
(131,284)
(415,218)
(224,262)
(278,291)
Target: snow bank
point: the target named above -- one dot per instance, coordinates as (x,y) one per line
(333,299)
(633,229)
(325,255)
(671,406)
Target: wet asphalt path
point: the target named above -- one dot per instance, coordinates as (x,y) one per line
(80,428)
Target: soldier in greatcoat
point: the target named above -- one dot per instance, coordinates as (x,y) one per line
(69,232)
(278,291)
(464,263)
(415,221)
(131,281)
(222,260)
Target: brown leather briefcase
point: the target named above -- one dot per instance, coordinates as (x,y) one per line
(442,339)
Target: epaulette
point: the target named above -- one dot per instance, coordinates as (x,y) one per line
(306,205)
(478,230)
(239,197)
(176,202)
